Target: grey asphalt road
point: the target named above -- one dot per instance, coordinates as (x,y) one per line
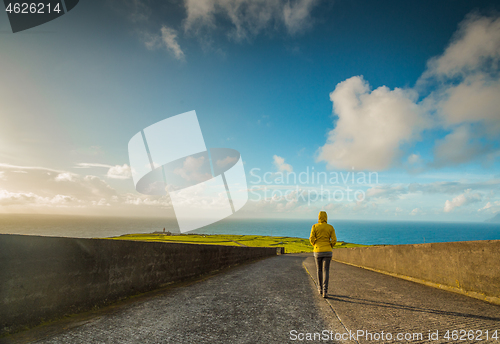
(369,301)
(261,302)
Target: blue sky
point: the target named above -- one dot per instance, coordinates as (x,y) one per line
(406,90)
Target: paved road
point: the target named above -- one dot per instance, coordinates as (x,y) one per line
(262,302)
(374,302)
(255,303)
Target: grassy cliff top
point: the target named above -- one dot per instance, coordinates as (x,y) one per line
(292,245)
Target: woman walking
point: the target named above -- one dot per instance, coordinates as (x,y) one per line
(323,239)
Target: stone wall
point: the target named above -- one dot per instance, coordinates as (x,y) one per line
(43,278)
(469,267)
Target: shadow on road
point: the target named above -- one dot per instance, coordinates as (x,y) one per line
(367,302)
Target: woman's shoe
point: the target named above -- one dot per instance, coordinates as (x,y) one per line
(324,294)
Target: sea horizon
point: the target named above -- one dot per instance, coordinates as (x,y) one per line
(370,232)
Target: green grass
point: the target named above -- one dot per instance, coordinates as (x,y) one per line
(292,245)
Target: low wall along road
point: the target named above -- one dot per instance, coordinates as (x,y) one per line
(42,278)
(468,267)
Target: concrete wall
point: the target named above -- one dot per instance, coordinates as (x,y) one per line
(469,267)
(42,278)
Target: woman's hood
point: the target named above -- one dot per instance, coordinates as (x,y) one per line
(322,217)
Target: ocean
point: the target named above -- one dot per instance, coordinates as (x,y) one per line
(360,232)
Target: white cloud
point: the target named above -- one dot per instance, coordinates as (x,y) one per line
(297,16)
(237,19)
(66,177)
(280,164)
(486,207)
(29,198)
(169,39)
(119,172)
(415,163)
(334,208)
(466,99)
(415,211)
(473,100)
(63,199)
(145,200)
(200,13)
(166,38)
(476,43)
(454,187)
(401,200)
(10,198)
(466,198)
(490,207)
(463,192)
(192,170)
(248,17)
(2,176)
(47,186)
(387,192)
(371,125)
(102,202)
(89,165)
(414,159)
(139,13)
(22,169)
(457,147)
(43,190)
(226,161)
(114,172)
(285,201)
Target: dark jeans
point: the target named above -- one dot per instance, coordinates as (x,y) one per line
(323,268)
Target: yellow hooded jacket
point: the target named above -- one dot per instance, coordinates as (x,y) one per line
(322,234)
